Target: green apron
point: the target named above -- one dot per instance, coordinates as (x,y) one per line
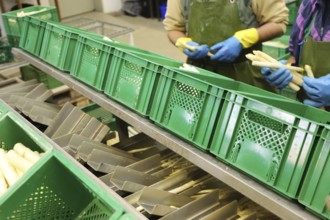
(212,21)
(316,54)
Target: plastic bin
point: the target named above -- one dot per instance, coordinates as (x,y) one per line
(293,7)
(270,139)
(30,72)
(188,103)
(13,21)
(315,188)
(32,34)
(59,44)
(15,129)
(5,53)
(278,47)
(93,58)
(133,77)
(100,114)
(59,190)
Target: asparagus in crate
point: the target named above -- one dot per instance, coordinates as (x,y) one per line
(14,163)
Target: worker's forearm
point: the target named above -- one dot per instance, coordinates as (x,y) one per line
(173,36)
(269,31)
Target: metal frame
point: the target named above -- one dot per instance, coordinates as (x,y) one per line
(266,198)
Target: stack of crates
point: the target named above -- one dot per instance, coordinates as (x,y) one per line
(13,20)
(5,52)
(293,6)
(31,72)
(277,48)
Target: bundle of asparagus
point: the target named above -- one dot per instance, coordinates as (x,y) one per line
(14,163)
(262,59)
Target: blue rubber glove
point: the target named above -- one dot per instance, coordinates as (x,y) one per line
(318,90)
(279,78)
(227,51)
(199,53)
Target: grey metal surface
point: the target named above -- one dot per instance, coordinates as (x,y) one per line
(268,199)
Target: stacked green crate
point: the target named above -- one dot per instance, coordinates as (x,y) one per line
(277,48)
(293,6)
(13,20)
(101,114)
(29,72)
(5,52)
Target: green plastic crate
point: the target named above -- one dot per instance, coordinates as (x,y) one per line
(93,58)
(315,187)
(270,139)
(5,53)
(59,44)
(133,77)
(13,40)
(293,7)
(29,72)
(188,103)
(14,129)
(60,190)
(100,114)
(32,35)
(277,47)
(13,22)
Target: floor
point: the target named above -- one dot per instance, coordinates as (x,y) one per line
(148,33)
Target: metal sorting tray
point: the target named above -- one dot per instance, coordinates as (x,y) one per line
(20,89)
(139,168)
(72,126)
(104,28)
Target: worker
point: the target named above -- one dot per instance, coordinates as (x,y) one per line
(309,45)
(223,31)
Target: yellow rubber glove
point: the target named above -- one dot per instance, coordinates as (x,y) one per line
(181,42)
(247,37)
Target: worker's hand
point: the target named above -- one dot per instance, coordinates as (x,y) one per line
(279,78)
(199,53)
(191,48)
(227,51)
(318,90)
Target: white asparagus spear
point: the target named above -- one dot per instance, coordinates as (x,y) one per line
(18,161)
(27,153)
(309,71)
(191,48)
(276,65)
(3,184)
(7,169)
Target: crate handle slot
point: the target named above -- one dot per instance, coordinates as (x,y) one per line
(265,121)
(235,151)
(273,170)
